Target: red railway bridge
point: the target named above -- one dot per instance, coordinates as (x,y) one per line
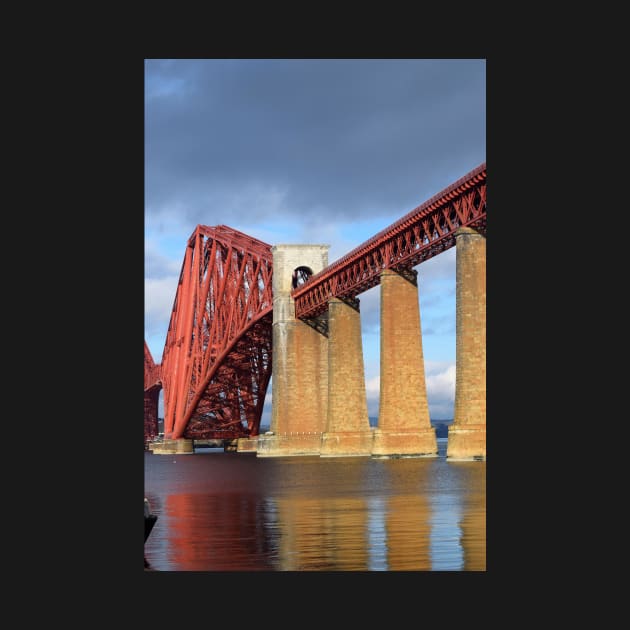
(217,359)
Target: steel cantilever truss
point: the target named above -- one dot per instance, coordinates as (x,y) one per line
(152,386)
(421,234)
(216,364)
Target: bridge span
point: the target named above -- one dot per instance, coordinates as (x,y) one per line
(230,311)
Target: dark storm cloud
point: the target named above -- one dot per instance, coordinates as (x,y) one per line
(330,138)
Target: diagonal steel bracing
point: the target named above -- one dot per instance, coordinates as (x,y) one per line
(216,364)
(421,234)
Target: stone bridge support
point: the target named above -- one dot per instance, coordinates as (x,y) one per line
(467,434)
(348,431)
(404,425)
(299,362)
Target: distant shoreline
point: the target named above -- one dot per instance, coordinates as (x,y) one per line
(440,426)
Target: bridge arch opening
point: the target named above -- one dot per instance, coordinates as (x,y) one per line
(300,276)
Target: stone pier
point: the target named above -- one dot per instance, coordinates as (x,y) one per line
(181,446)
(247,445)
(467,434)
(299,362)
(348,431)
(404,425)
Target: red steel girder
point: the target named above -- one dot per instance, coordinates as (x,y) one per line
(216,364)
(152,386)
(421,234)
(152,372)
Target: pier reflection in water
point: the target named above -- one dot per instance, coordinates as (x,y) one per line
(236,512)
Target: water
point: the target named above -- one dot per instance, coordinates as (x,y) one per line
(237,512)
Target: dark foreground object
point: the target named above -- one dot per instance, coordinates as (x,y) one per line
(149,520)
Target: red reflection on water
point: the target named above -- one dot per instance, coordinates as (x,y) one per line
(216,532)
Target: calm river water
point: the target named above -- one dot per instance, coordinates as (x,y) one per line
(238,512)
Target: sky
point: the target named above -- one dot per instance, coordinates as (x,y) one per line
(310,151)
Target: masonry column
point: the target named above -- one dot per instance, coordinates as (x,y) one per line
(348,430)
(467,434)
(299,381)
(404,425)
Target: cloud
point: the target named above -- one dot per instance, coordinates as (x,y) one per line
(440,378)
(436,269)
(370,307)
(159,295)
(333,139)
(372,393)
(440,384)
(157,265)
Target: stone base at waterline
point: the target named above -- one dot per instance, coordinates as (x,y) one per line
(347,444)
(405,443)
(247,445)
(289,444)
(467,441)
(182,446)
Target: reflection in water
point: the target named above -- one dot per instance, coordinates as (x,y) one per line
(408,533)
(236,512)
(319,534)
(446,550)
(474,538)
(223,532)
(473,521)
(376,534)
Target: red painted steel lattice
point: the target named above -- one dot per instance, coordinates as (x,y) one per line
(152,386)
(152,372)
(216,364)
(421,234)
